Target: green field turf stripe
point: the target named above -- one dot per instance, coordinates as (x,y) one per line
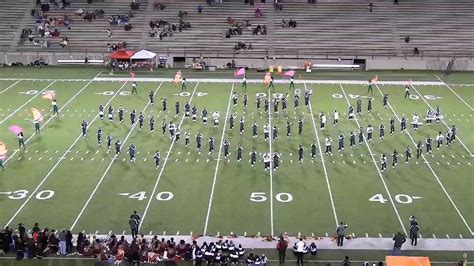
(58,162)
(51,118)
(9,87)
(211,197)
(271,161)
(432,171)
(377,167)
(110,165)
(442,120)
(23,105)
(333,206)
(164,164)
(460,98)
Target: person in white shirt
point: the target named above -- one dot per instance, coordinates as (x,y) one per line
(300,247)
(267,159)
(336,117)
(216,116)
(415,122)
(323,119)
(370,130)
(328,142)
(439,140)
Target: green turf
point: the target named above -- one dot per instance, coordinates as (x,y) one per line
(86,183)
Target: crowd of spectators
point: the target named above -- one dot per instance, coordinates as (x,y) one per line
(162,28)
(260,30)
(119,20)
(242,46)
(288,23)
(159,6)
(116,46)
(41,242)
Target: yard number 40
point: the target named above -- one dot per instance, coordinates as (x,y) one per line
(400,198)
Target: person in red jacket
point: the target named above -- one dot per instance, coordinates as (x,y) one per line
(281,247)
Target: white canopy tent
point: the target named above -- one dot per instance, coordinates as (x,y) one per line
(143,54)
(143,59)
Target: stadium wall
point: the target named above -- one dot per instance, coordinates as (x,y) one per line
(369,63)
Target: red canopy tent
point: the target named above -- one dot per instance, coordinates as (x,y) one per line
(122,55)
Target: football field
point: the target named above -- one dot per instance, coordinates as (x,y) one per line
(62,180)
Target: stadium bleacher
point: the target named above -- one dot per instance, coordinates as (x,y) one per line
(327,28)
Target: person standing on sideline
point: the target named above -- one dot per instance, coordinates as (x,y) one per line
(292,83)
(281,247)
(300,250)
(183,84)
(62,242)
(398,239)
(341,232)
(270,84)
(346,261)
(133,226)
(134,87)
(21,140)
(244,82)
(414,230)
(54,104)
(137,217)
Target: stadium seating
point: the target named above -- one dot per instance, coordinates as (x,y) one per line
(335,28)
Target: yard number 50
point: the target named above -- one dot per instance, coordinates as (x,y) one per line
(261,197)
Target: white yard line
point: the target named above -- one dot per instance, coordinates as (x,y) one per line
(110,165)
(324,165)
(51,118)
(271,161)
(377,167)
(460,98)
(217,163)
(442,120)
(164,164)
(58,162)
(9,87)
(23,105)
(432,171)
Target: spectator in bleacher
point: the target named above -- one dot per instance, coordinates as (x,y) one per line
(278,6)
(407,39)
(395,2)
(416,51)
(199,9)
(371,7)
(135,5)
(159,6)
(258,12)
(109,33)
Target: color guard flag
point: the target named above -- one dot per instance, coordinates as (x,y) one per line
(3,151)
(240,72)
(50,95)
(16,129)
(290,73)
(37,116)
